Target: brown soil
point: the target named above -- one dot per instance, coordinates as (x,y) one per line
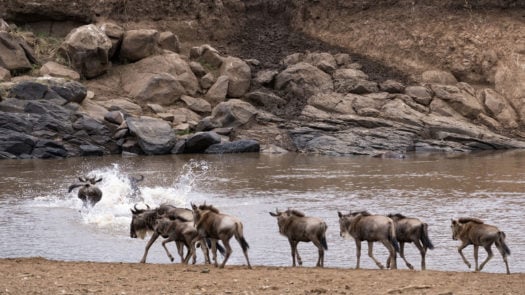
(41,276)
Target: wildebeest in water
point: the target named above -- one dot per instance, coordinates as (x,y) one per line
(412,230)
(363,226)
(212,224)
(89,193)
(297,227)
(135,190)
(473,231)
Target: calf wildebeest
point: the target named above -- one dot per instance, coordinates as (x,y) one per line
(179,230)
(90,194)
(473,231)
(363,226)
(145,220)
(212,224)
(297,228)
(412,230)
(134,183)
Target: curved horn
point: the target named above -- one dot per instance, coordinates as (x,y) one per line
(148,206)
(82,178)
(98,180)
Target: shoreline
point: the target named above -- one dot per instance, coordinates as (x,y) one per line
(40,275)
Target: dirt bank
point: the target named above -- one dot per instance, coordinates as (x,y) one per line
(41,276)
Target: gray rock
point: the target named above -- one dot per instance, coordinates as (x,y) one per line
(154,136)
(239,76)
(238,146)
(138,44)
(303,80)
(87,150)
(169,41)
(200,141)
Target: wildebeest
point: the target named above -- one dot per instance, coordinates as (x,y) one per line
(212,224)
(145,220)
(182,231)
(90,194)
(134,183)
(297,228)
(412,230)
(363,226)
(473,231)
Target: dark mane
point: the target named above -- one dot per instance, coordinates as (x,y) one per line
(362,213)
(295,212)
(398,215)
(470,219)
(177,217)
(209,208)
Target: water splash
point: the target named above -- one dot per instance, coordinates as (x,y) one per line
(113,210)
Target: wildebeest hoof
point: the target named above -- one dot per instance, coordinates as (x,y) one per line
(410,266)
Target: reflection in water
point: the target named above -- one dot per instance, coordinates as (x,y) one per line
(41,219)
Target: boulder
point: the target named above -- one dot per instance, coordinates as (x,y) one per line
(200,141)
(87,48)
(154,136)
(233,113)
(304,80)
(357,86)
(159,79)
(72,91)
(323,60)
(15,54)
(198,105)
(419,94)
(197,69)
(333,102)
(54,69)
(115,117)
(16,143)
(265,77)
(392,86)
(463,102)
(353,74)
(87,150)
(114,33)
(207,81)
(169,41)
(138,44)
(5,75)
(499,108)
(265,99)
(238,146)
(239,75)
(218,91)
(123,105)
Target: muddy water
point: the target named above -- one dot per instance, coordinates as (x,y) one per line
(40,218)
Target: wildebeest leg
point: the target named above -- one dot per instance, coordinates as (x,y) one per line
(150,242)
(423,250)
(460,250)
(205,252)
(214,251)
(392,264)
(489,257)
(293,246)
(357,252)
(476,250)
(402,254)
(180,250)
(189,254)
(371,255)
(226,243)
(169,239)
(320,260)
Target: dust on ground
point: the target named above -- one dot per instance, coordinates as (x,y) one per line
(42,276)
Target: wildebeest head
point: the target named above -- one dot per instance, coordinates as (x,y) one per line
(142,221)
(347,220)
(90,194)
(284,216)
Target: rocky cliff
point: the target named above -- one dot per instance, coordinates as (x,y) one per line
(329,77)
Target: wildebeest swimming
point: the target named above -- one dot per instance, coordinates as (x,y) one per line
(363,226)
(412,230)
(145,220)
(212,224)
(473,231)
(134,183)
(297,228)
(89,193)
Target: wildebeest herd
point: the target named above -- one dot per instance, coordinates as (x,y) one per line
(205,226)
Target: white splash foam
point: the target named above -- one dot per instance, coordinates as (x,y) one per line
(113,210)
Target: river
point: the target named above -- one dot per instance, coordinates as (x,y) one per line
(40,218)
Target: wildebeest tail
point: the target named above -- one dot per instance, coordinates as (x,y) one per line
(392,237)
(501,241)
(323,242)
(323,236)
(240,237)
(424,237)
